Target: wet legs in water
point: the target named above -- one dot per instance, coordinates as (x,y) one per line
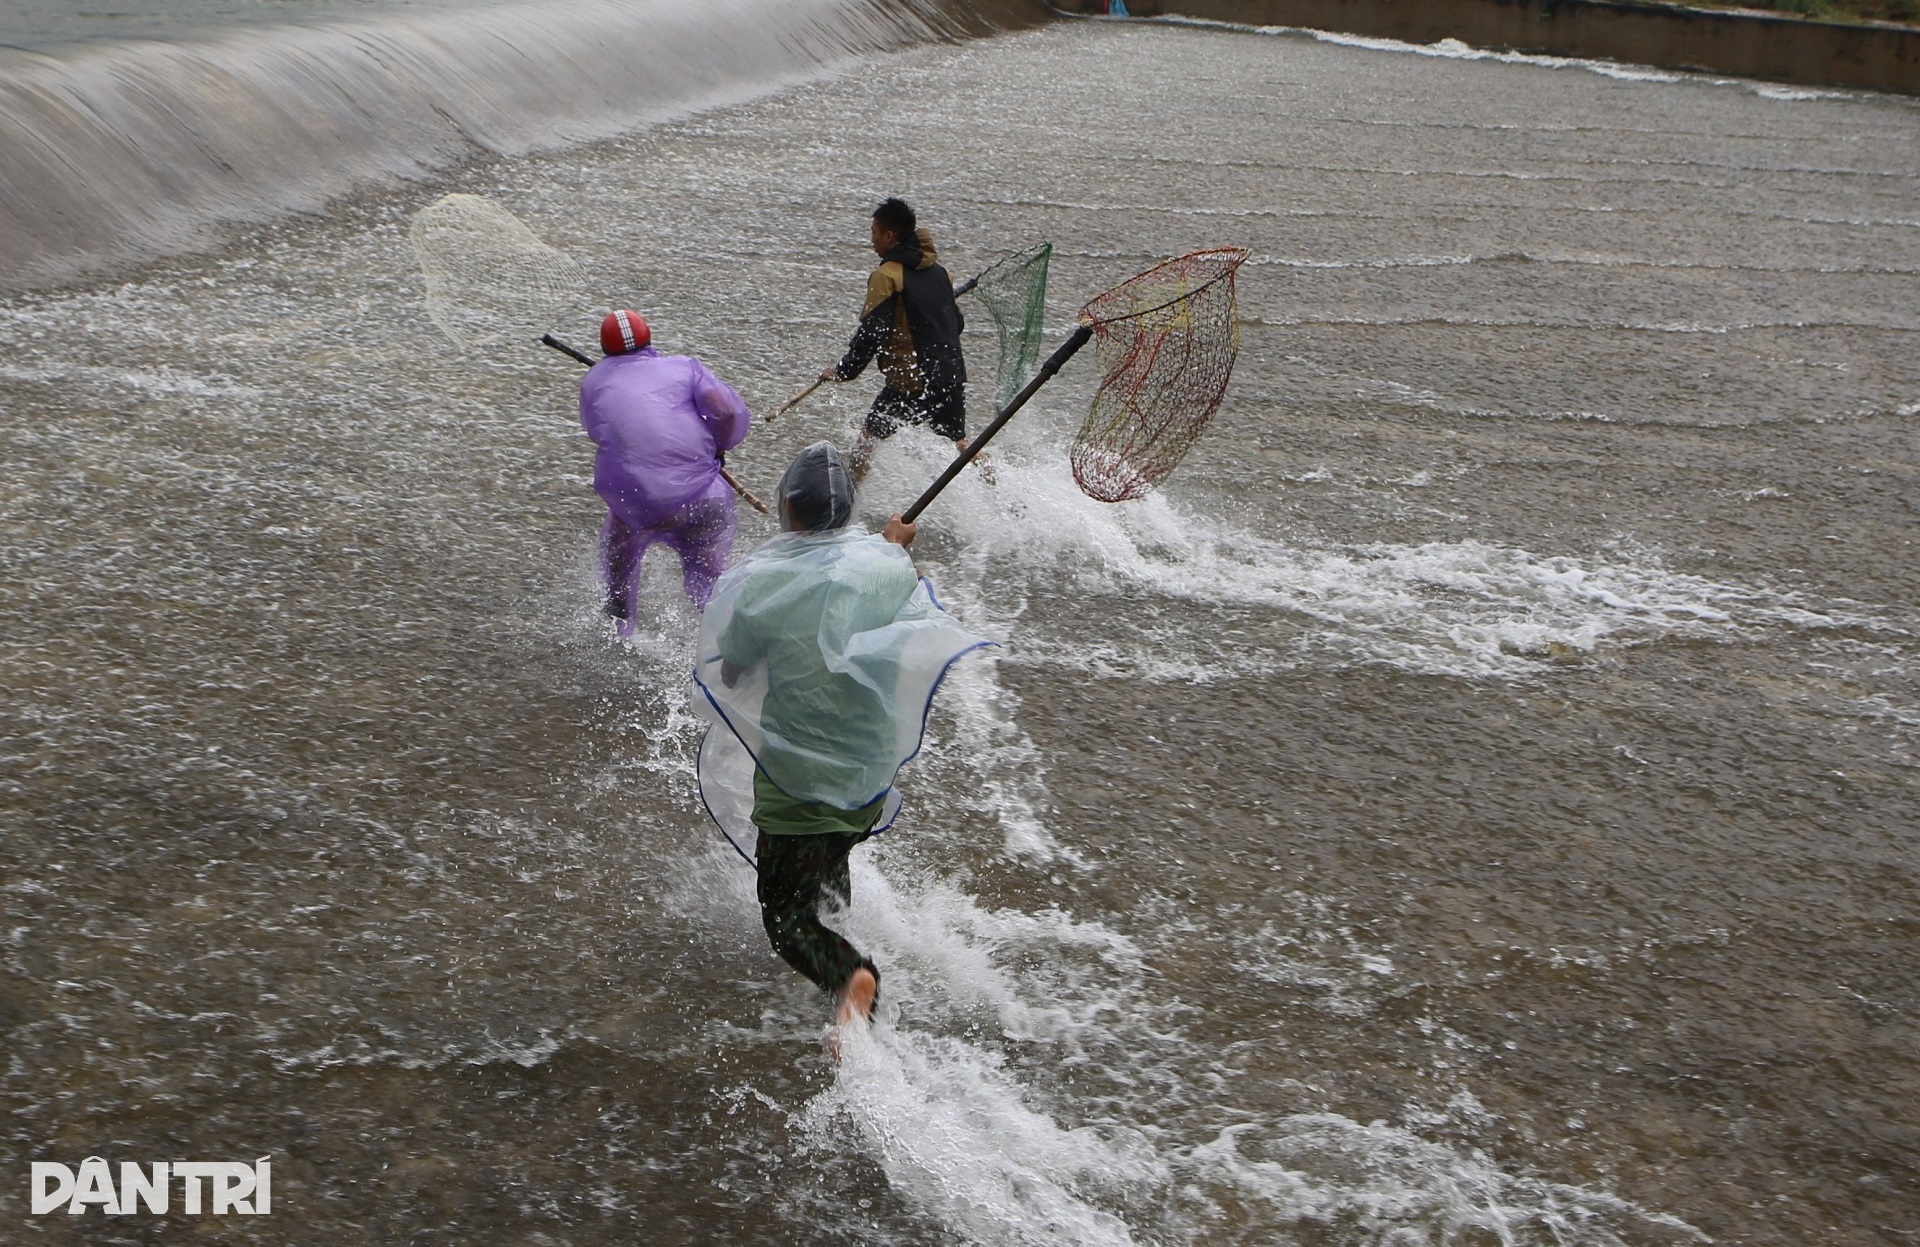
(798,873)
(620,552)
(701,533)
(703,539)
(864,447)
(945,414)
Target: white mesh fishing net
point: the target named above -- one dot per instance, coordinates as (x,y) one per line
(488,275)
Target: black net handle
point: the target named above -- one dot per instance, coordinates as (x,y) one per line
(1054,361)
(564,349)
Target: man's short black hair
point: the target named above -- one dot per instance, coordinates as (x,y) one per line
(895,215)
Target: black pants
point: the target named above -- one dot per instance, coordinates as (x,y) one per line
(797,874)
(944,413)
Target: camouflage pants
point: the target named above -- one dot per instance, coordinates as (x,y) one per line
(798,873)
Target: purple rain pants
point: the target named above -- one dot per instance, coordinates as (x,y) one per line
(701,533)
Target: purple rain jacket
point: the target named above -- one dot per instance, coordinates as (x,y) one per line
(660,422)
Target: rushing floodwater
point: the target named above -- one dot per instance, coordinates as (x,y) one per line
(1472,803)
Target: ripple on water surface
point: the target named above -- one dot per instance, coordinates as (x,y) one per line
(1471,803)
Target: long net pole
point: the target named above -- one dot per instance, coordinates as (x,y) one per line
(1054,361)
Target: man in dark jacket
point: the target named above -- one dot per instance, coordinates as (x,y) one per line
(910,321)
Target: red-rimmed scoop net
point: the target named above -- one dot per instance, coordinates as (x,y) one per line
(1166,341)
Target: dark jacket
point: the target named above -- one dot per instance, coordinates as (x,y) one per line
(911,322)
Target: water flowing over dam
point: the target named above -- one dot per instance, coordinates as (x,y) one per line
(1472,801)
(114,150)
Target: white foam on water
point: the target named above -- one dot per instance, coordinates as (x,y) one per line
(658,649)
(1380,1184)
(714,890)
(976,718)
(1158,209)
(1583,259)
(1413,261)
(953,1135)
(1530,322)
(926,930)
(1456,50)
(941,1107)
(1445,49)
(954,1130)
(945,1092)
(956,1133)
(408,1051)
(1466,607)
(975,721)
(1774,91)
(1314,948)
(1871,681)
(161,380)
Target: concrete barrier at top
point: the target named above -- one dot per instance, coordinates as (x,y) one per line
(1743,45)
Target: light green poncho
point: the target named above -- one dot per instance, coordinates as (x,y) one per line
(835,648)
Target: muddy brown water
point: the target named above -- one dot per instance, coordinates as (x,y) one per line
(1473,802)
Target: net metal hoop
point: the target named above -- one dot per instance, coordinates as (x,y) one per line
(488,275)
(1230,257)
(1166,340)
(1013,260)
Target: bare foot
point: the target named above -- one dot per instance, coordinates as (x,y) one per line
(855,1003)
(856,998)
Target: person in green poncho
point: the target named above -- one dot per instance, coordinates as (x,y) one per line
(819,654)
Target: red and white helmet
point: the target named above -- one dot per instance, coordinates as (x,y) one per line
(624,331)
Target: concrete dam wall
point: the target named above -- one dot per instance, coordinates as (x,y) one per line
(1745,45)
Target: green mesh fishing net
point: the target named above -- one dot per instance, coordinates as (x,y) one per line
(1014,291)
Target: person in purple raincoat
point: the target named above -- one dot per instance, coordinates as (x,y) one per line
(661,423)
